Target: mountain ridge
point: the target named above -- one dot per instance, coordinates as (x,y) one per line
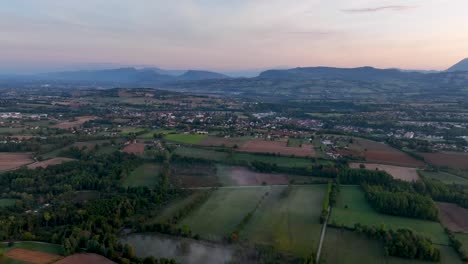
(460,66)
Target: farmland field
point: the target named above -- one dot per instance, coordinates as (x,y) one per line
(85,258)
(288,219)
(135,148)
(77,123)
(444,177)
(194,175)
(453,217)
(401,173)
(344,246)
(225,209)
(150,134)
(241,158)
(241,176)
(201,153)
(30,252)
(377,152)
(192,139)
(277,147)
(352,207)
(221,141)
(246,158)
(13,160)
(175,206)
(144,175)
(449,159)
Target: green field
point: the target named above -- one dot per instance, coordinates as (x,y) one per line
(352,207)
(149,135)
(174,207)
(192,139)
(127,131)
(444,177)
(245,158)
(463,239)
(144,175)
(7,202)
(288,220)
(201,153)
(241,158)
(218,217)
(343,246)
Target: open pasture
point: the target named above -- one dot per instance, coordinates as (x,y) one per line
(246,158)
(150,134)
(135,148)
(176,205)
(194,175)
(145,175)
(444,177)
(288,219)
(352,208)
(401,173)
(201,153)
(13,160)
(453,217)
(449,159)
(222,142)
(344,246)
(191,139)
(377,152)
(277,147)
(241,158)
(75,123)
(225,209)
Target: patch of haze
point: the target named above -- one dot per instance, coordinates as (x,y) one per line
(182,250)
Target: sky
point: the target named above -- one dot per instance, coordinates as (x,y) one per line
(231,35)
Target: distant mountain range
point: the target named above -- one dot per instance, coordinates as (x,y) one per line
(361,73)
(461,66)
(132,75)
(156,76)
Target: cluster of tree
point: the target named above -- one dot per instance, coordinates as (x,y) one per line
(360,176)
(331,196)
(402,243)
(458,246)
(100,173)
(444,193)
(319,170)
(401,203)
(54,213)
